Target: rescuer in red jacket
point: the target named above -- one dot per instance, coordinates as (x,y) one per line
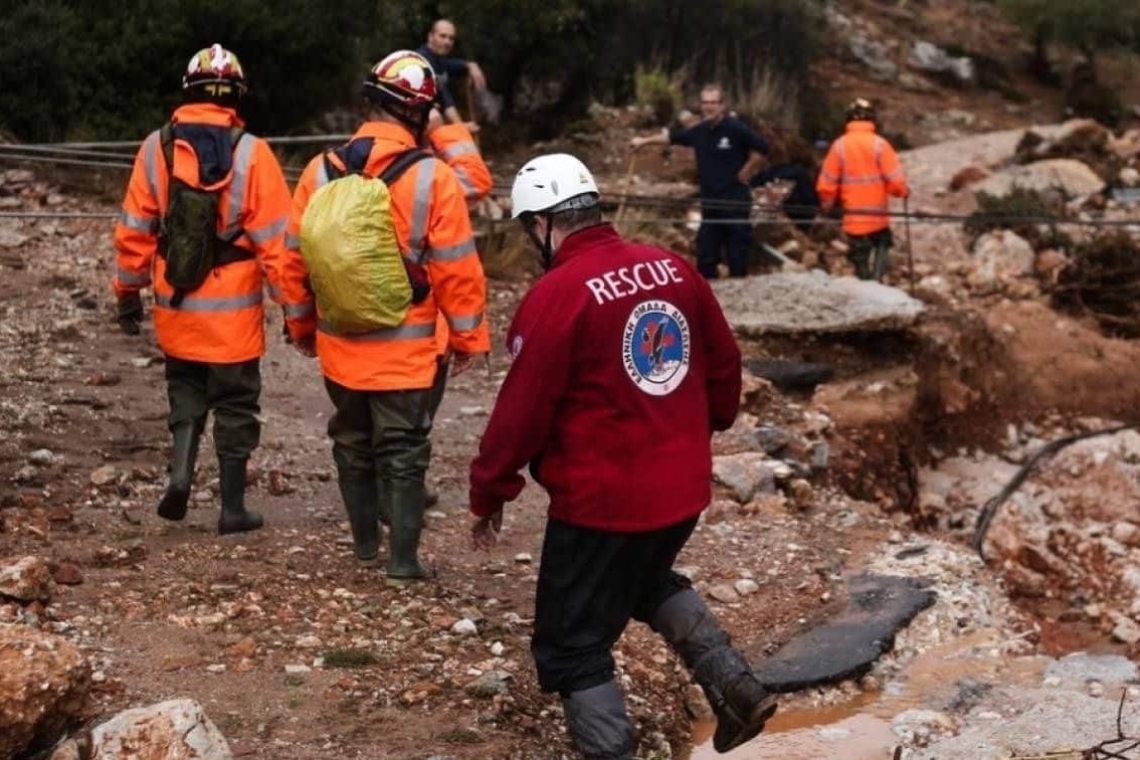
(622,366)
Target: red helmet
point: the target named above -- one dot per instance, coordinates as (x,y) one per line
(405,78)
(216,70)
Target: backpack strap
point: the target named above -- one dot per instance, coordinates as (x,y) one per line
(166,137)
(401,164)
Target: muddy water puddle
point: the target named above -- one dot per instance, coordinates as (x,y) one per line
(859,728)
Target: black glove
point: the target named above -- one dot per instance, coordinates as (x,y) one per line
(130,313)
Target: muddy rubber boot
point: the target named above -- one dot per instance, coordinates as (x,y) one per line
(740,702)
(598,723)
(235,518)
(182,460)
(404,504)
(362,503)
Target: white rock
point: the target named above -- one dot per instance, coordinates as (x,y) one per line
(41,457)
(174,730)
(523,558)
(746,587)
(297,670)
(465,627)
(308,642)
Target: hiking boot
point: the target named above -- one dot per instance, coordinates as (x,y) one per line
(362,503)
(738,699)
(597,722)
(182,459)
(404,503)
(235,518)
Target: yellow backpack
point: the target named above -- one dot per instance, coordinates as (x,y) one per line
(361,279)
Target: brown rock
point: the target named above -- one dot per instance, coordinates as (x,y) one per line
(967,176)
(43,685)
(279,484)
(1049,261)
(802,493)
(247,647)
(67,574)
(25,580)
(420,692)
(443,622)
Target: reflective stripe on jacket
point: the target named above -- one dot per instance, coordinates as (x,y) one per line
(430,215)
(861,169)
(222,321)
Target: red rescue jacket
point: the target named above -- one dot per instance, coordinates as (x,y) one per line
(622,366)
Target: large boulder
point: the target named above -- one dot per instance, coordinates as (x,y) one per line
(26,580)
(173,730)
(43,684)
(814,302)
(1001,254)
(1072,179)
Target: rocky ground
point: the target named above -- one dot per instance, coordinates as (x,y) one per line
(921,408)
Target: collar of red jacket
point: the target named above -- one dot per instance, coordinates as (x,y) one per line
(207,113)
(861,126)
(585,240)
(387,131)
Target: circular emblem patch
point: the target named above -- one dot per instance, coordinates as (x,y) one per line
(655,347)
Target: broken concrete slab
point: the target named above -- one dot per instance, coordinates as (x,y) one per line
(814,302)
(878,607)
(1048,722)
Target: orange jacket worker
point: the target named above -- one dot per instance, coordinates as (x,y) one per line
(380,382)
(213,335)
(861,171)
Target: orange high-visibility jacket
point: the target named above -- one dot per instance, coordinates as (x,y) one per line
(432,224)
(455,145)
(222,321)
(861,168)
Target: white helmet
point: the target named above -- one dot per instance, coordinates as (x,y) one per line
(554,182)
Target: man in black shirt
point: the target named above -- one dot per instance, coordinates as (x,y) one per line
(440,41)
(728,154)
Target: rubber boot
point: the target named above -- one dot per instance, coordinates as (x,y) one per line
(598,723)
(235,518)
(882,261)
(404,503)
(861,260)
(362,503)
(740,702)
(182,461)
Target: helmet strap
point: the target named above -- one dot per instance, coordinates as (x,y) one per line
(545,246)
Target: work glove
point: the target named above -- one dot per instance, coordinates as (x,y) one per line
(130,313)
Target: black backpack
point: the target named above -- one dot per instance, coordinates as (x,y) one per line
(188,233)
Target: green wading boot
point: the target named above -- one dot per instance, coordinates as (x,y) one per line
(362,503)
(235,518)
(182,460)
(405,507)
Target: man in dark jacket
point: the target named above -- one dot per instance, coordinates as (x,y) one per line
(437,50)
(728,154)
(622,366)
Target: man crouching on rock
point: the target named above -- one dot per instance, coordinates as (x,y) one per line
(622,366)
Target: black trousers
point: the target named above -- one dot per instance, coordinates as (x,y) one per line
(230,390)
(591,582)
(718,238)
